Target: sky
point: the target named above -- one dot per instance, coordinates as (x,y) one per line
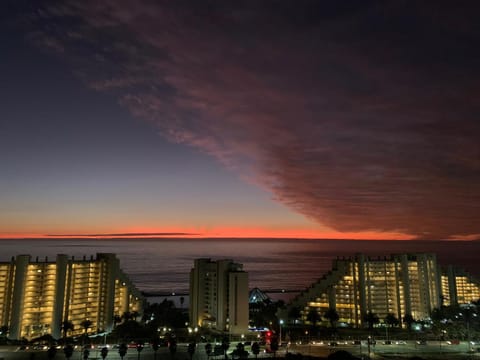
(302,119)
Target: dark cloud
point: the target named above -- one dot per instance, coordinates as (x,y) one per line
(362,117)
(114,235)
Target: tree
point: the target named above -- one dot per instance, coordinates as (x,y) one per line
(132,329)
(67,326)
(408,320)
(127,315)
(139,349)
(155,347)
(104,352)
(274,346)
(240,351)
(262,314)
(371,319)
(122,350)
(164,314)
(117,319)
(439,323)
(68,351)
(191,349)
(51,352)
(135,315)
(86,324)
(332,316)
(255,349)
(468,313)
(172,346)
(391,320)
(294,314)
(225,346)
(314,317)
(208,349)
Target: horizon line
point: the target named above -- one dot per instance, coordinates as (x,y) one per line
(160,236)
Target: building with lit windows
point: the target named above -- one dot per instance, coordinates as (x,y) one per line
(219,296)
(400,285)
(458,287)
(37,297)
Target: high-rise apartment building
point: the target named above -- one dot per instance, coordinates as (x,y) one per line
(458,287)
(37,297)
(402,284)
(219,296)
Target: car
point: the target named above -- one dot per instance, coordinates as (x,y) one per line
(453,342)
(332,343)
(421,342)
(387,342)
(400,342)
(40,347)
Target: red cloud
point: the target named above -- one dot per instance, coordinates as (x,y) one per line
(363,120)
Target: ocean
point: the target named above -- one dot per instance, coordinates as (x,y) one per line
(163,265)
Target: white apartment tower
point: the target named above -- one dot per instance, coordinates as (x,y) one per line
(36,296)
(219,296)
(400,285)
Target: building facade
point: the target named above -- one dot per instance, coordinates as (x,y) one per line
(458,287)
(219,296)
(405,284)
(37,297)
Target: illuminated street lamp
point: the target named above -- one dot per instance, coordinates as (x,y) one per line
(280,332)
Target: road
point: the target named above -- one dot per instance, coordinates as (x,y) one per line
(433,350)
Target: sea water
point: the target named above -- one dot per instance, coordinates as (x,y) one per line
(163,265)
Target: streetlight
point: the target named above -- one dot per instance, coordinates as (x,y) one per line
(280,332)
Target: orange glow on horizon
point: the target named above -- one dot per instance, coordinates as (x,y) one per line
(216,232)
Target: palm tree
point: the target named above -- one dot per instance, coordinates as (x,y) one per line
(208,349)
(117,319)
(67,326)
(51,352)
(86,324)
(225,346)
(135,315)
(68,351)
(127,315)
(155,346)
(391,320)
(294,314)
(409,320)
(468,313)
(332,316)
(255,349)
(314,317)
(371,319)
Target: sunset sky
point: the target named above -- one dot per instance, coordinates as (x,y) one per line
(302,118)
